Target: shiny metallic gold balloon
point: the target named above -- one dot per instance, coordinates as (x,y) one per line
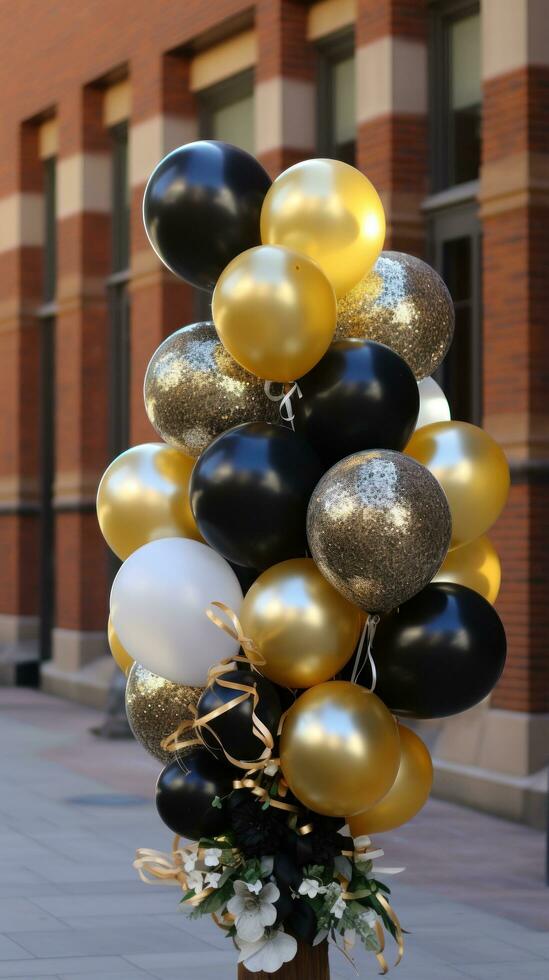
(155,707)
(475,565)
(194,390)
(275,312)
(305,630)
(408,794)
(378,528)
(144,496)
(471,469)
(339,748)
(120,656)
(329,211)
(404,304)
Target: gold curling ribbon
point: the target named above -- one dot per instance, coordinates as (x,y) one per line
(263,794)
(250,647)
(156,867)
(253,658)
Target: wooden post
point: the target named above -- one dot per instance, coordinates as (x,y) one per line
(309,963)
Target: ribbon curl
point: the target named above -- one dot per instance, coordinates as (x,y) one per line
(286,410)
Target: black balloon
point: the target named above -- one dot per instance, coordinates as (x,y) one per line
(186,790)
(249,493)
(439,653)
(202,206)
(360,395)
(234,727)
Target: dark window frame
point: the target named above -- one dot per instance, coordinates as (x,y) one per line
(330,50)
(118,294)
(46,314)
(443,13)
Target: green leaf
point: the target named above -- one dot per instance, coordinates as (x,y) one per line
(216,803)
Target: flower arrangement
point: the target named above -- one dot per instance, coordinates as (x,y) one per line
(270,879)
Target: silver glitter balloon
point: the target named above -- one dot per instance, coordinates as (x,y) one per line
(155,707)
(404,304)
(379,527)
(194,390)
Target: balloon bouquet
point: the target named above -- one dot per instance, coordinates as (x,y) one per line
(310,529)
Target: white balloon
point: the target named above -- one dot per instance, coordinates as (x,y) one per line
(433,404)
(158,608)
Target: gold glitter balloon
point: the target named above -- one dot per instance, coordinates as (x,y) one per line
(339,748)
(378,528)
(194,390)
(404,304)
(155,707)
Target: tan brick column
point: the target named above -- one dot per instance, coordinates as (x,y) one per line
(21,238)
(391,78)
(81,398)
(163,117)
(285,108)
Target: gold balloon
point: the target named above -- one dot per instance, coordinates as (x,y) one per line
(408,794)
(475,565)
(404,304)
(305,630)
(120,656)
(339,749)
(472,470)
(143,496)
(329,211)
(155,707)
(275,312)
(194,390)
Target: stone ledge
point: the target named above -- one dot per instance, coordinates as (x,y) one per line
(519,798)
(89,685)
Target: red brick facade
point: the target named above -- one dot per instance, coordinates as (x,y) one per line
(58,61)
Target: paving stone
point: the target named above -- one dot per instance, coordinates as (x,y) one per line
(88,966)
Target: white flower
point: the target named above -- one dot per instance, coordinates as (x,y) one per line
(212,879)
(271,769)
(195,881)
(212,857)
(190,862)
(252,912)
(338,907)
(311,887)
(269,953)
(254,886)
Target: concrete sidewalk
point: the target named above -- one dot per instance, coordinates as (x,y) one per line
(73,810)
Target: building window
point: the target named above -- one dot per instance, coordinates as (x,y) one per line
(336,106)
(227,112)
(46,314)
(117,286)
(456,93)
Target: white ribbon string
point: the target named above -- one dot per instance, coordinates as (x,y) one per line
(287,413)
(368,634)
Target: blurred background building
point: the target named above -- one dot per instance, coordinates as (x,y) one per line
(444,104)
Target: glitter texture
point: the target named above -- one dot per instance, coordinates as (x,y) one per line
(404,304)
(379,527)
(155,707)
(194,390)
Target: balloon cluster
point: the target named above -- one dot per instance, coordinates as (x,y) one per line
(312,485)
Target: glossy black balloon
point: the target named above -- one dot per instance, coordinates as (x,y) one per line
(201,208)
(186,790)
(249,493)
(234,728)
(439,653)
(360,395)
